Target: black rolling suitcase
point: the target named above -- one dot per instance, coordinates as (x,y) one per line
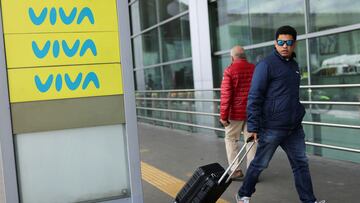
(209,182)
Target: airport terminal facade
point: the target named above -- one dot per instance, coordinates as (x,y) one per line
(181,48)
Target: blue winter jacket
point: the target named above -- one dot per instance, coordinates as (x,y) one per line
(273,101)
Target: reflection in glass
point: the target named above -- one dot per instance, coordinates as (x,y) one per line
(335,59)
(178,76)
(135,79)
(244,22)
(304,94)
(153,78)
(229,24)
(137,51)
(336,94)
(342,137)
(175,37)
(147,12)
(219,64)
(171,8)
(256,55)
(184,5)
(301,58)
(333,13)
(265,19)
(340,114)
(150,47)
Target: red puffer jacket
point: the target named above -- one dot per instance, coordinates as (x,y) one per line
(234,90)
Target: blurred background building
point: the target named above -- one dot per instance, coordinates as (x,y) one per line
(181,48)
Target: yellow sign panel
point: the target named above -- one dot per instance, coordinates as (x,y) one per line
(36,84)
(34,16)
(33,50)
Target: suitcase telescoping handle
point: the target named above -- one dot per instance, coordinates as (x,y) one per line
(250,139)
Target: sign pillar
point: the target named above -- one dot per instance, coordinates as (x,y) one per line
(71,95)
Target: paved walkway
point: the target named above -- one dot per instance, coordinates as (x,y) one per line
(177,154)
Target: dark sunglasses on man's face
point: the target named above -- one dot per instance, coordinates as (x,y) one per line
(282,42)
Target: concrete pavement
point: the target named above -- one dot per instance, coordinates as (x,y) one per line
(179,153)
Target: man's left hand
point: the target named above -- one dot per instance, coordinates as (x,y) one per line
(225,123)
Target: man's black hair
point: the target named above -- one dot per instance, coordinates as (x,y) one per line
(286,30)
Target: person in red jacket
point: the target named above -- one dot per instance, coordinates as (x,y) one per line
(233,100)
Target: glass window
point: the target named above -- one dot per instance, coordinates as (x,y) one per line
(256,55)
(184,5)
(170,8)
(148,14)
(335,59)
(301,58)
(229,24)
(139,79)
(146,49)
(137,51)
(266,16)
(153,78)
(333,13)
(150,47)
(342,137)
(149,79)
(175,39)
(219,64)
(244,22)
(178,76)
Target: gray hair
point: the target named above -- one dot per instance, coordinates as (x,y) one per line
(238,52)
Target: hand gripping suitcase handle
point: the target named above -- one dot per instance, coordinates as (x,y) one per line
(250,139)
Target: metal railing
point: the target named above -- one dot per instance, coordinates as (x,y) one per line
(148,100)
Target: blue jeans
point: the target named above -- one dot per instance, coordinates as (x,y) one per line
(293,143)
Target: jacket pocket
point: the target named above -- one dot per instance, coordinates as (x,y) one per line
(282,104)
(268,109)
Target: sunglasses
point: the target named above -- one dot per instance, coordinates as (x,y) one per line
(282,42)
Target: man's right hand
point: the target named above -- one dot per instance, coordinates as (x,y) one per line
(255,136)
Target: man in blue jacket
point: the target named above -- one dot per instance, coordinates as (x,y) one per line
(275,115)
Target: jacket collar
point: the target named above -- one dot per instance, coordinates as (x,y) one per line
(239,61)
(283,58)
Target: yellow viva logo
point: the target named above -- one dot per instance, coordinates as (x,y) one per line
(60,14)
(62,49)
(64,82)
(34,16)
(69,50)
(70,84)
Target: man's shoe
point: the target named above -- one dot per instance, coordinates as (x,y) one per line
(322,201)
(242,199)
(238,174)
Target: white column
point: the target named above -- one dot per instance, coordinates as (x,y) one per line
(200,44)
(201,58)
